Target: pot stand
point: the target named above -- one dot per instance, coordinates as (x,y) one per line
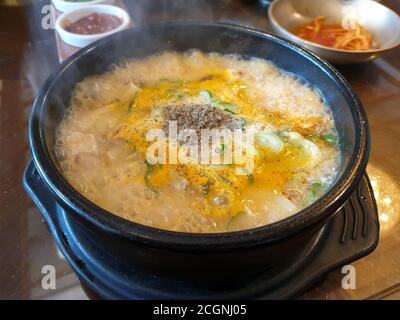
(352,233)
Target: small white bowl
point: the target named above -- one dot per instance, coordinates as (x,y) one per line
(65,6)
(82,40)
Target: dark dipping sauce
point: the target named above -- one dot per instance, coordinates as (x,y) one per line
(94,23)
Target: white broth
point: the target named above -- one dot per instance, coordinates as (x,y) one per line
(101,143)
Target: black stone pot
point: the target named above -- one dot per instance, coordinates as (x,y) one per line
(203,258)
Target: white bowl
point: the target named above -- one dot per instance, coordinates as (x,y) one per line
(65,6)
(82,40)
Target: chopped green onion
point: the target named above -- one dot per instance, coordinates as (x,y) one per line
(316,188)
(331,139)
(228,107)
(147,176)
(270,141)
(222,105)
(207,95)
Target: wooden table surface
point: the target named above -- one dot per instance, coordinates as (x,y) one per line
(28,55)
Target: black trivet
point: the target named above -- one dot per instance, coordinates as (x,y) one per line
(352,233)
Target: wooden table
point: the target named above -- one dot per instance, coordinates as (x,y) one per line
(27,56)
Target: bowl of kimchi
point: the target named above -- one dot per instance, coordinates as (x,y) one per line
(339,31)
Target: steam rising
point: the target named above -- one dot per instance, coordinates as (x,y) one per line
(41,54)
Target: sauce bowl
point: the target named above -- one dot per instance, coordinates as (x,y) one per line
(82,40)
